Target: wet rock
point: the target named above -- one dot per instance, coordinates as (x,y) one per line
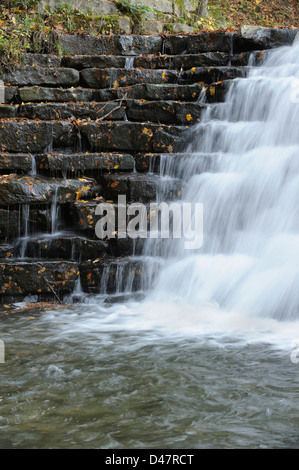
(7,111)
(182,61)
(198,43)
(37,136)
(109,78)
(23,136)
(212,74)
(110,276)
(81,62)
(24,278)
(82,214)
(149,61)
(216,92)
(55,76)
(243,58)
(171,112)
(132,136)
(6,251)
(37,94)
(53,111)
(140,187)
(156,92)
(35,190)
(9,223)
(68,247)
(42,60)
(257,37)
(73,163)
(148,162)
(110,45)
(126,246)
(10,94)
(16,162)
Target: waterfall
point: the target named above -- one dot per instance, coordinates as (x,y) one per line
(242,164)
(25,208)
(129,63)
(54,212)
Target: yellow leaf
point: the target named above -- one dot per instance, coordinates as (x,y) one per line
(188,117)
(147,131)
(212,90)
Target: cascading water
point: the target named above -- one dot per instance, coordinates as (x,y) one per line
(244,166)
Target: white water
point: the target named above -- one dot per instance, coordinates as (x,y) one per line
(248,268)
(244,168)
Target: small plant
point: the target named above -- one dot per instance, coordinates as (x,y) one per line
(137,10)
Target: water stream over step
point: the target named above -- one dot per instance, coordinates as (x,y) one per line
(241,164)
(249,189)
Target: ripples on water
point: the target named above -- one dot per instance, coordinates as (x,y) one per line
(205,360)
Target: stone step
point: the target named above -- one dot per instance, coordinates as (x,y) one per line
(63,246)
(8,111)
(94,163)
(167,112)
(36,94)
(141,188)
(19,279)
(154,92)
(177,165)
(6,251)
(23,136)
(202,42)
(43,94)
(164,62)
(216,92)
(42,60)
(16,220)
(149,61)
(19,162)
(250,38)
(16,189)
(109,45)
(10,93)
(65,165)
(118,276)
(44,76)
(54,111)
(114,78)
(146,137)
